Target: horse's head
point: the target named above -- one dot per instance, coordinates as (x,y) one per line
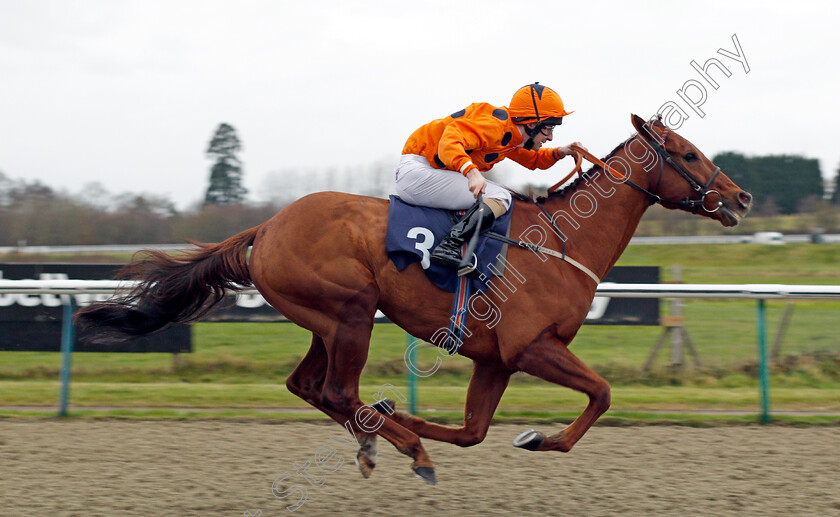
(685,179)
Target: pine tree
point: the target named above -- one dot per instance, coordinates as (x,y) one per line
(226,174)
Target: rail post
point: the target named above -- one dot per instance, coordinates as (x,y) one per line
(66,352)
(763,380)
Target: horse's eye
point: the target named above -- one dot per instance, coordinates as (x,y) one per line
(690,157)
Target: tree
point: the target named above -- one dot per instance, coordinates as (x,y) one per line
(737,167)
(787,179)
(226,174)
(835,196)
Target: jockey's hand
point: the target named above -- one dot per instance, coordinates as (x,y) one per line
(566,150)
(477,182)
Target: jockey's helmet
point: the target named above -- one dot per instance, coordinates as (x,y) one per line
(537,103)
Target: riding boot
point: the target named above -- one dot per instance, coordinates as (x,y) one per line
(448,252)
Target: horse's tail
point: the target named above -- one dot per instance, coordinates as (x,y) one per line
(171,289)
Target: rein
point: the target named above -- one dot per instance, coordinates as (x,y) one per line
(687,204)
(592,159)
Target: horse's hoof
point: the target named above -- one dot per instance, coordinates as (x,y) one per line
(365,465)
(385,406)
(427,474)
(529,440)
(366,457)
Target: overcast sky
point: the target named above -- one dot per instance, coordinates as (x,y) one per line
(128,93)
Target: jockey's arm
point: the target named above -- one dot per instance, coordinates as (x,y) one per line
(542,158)
(462,135)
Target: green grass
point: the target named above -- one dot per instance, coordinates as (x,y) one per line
(517,397)
(524,417)
(720,329)
(723,333)
(659,221)
(240,367)
(742,263)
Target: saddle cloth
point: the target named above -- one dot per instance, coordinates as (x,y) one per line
(414,231)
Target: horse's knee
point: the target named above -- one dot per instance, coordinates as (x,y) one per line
(470,437)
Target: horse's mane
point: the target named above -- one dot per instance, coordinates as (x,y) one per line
(571,187)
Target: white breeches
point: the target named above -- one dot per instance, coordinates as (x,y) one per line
(421,184)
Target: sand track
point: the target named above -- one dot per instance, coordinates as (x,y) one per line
(113,468)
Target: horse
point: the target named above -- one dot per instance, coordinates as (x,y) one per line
(321,262)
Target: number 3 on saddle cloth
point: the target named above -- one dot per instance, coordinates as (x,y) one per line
(414,231)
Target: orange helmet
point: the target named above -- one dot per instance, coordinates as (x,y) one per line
(537,103)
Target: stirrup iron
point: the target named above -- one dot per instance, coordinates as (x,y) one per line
(466,269)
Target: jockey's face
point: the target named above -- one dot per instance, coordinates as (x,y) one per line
(545,134)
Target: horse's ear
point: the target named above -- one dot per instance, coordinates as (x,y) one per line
(637,121)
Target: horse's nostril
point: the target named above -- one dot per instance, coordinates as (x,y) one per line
(745,199)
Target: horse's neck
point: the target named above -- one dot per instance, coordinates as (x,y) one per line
(597,237)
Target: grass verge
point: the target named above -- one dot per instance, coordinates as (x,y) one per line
(441,398)
(524,417)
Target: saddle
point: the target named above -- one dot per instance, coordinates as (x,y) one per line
(414,231)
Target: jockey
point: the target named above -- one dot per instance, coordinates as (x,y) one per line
(442,162)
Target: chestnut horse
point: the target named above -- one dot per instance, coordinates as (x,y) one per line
(321,262)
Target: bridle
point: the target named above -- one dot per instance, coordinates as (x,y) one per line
(687,204)
(657,144)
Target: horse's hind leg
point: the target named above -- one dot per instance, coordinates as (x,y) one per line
(549,358)
(307,378)
(307,381)
(347,350)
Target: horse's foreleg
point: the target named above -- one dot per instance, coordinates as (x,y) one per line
(550,359)
(487,385)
